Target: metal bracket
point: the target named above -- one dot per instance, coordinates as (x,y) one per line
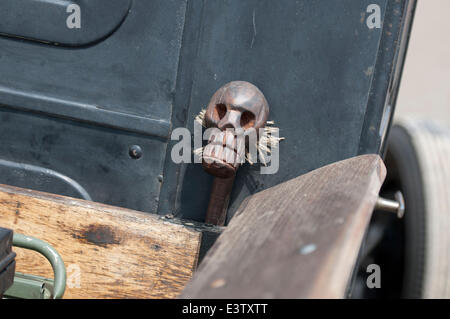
(29,286)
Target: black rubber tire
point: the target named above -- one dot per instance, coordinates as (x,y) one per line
(418,163)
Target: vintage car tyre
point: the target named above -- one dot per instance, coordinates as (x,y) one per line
(418,163)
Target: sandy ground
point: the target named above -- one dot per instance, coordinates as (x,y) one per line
(425,87)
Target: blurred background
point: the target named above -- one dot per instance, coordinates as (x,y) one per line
(425,87)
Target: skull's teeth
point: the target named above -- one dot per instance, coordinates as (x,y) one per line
(229,148)
(217,151)
(230,140)
(222,147)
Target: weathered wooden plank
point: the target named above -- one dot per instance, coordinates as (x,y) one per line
(120,253)
(299,239)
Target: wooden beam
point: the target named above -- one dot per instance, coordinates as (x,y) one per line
(299,239)
(120,253)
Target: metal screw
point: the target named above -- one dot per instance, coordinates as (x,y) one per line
(397,206)
(45,292)
(135,152)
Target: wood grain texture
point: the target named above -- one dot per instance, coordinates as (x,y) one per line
(120,253)
(299,239)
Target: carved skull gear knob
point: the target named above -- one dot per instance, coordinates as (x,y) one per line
(235,109)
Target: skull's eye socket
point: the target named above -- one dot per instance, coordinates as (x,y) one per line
(220,111)
(247,120)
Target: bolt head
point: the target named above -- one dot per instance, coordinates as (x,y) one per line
(135,152)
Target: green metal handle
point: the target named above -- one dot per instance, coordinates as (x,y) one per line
(52,256)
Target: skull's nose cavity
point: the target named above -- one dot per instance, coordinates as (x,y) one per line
(231,120)
(247,120)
